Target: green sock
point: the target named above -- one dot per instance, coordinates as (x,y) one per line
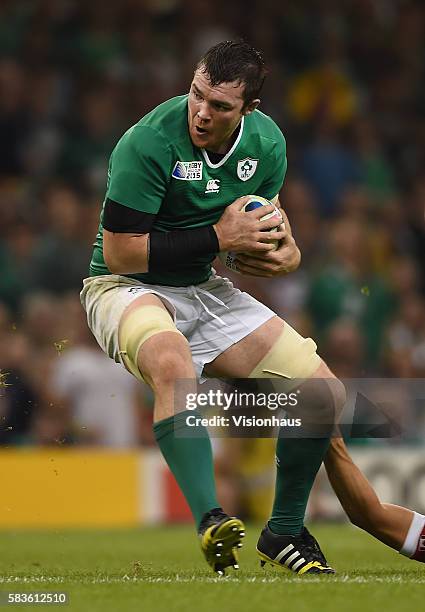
(190,460)
(298,462)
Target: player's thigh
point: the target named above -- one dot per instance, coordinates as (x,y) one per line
(151,346)
(240,359)
(274,349)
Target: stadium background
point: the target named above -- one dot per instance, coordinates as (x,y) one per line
(346,86)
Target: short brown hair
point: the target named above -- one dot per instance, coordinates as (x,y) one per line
(230,61)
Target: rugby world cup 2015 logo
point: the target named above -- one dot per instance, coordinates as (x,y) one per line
(246,168)
(187,170)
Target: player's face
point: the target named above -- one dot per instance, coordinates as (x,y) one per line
(215,112)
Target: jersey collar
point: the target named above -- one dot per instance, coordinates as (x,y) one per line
(229,153)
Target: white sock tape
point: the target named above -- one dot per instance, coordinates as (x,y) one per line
(415,529)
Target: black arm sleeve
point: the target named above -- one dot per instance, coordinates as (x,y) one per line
(164,248)
(181,246)
(124,220)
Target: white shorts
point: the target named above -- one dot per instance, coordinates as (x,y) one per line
(212,316)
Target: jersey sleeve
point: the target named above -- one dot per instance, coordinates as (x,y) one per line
(278,164)
(139,170)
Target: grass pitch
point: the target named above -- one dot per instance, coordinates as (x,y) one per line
(162,569)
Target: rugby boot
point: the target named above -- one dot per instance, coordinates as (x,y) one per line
(221,536)
(300,554)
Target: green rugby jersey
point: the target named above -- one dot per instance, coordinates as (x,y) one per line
(155,168)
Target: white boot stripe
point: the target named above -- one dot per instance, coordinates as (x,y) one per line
(297,564)
(289,560)
(283,552)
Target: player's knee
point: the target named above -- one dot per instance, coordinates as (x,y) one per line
(320,402)
(339,395)
(169,366)
(331,396)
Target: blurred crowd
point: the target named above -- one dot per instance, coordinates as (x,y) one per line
(346,86)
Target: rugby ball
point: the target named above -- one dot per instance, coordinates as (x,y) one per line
(228,257)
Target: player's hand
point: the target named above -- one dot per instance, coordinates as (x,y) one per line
(243,231)
(285,259)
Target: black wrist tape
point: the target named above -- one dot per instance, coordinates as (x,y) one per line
(167,249)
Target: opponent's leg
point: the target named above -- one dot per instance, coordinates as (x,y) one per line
(398,527)
(154,349)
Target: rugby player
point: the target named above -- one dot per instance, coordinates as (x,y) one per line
(177,182)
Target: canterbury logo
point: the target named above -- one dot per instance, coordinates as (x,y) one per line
(213,186)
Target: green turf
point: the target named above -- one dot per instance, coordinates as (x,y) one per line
(162,569)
